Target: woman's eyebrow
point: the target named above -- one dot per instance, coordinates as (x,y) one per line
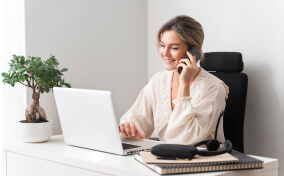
(171,43)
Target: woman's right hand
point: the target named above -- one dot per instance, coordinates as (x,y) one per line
(128,129)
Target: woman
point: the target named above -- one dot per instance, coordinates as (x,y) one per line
(181,108)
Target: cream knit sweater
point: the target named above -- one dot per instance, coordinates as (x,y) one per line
(192,120)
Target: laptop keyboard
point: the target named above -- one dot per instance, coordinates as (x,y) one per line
(129,146)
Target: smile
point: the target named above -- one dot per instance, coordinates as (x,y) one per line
(169,61)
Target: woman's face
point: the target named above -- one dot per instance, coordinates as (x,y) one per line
(172,49)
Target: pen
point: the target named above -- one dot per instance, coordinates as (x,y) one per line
(172,158)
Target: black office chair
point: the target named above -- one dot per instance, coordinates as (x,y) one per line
(228,67)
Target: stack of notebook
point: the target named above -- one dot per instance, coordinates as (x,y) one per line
(226,162)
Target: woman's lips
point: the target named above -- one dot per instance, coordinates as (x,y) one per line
(169,61)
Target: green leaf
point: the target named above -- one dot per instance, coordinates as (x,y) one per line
(23,78)
(48,61)
(32,65)
(5,75)
(52,58)
(22,60)
(64,70)
(27,62)
(42,84)
(22,70)
(12,83)
(67,85)
(16,79)
(38,60)
(13,74)
(41,68)
(56,78)
(18,66)
(15,56)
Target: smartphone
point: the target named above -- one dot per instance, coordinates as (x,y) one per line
(194,51)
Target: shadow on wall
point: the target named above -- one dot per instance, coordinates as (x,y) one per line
(262,101)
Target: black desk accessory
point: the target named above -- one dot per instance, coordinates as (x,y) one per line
(187,151)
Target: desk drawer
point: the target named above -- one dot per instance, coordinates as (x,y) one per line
(18,164)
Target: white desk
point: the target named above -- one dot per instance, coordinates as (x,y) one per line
(58,159)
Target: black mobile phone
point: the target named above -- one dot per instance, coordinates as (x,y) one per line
(194,51)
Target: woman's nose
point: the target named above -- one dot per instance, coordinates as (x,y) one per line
(166,52)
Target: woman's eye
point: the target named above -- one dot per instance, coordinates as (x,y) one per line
(175,48)
(162,45)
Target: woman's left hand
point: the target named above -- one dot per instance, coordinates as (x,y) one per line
(189,70)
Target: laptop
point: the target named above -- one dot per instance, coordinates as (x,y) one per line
(88,120)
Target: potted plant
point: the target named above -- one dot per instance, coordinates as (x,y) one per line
(40,76)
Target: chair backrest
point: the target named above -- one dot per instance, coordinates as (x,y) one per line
(228,67)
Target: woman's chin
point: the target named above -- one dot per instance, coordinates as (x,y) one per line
(169,68)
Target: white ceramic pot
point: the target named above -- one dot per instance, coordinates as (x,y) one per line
(35,132)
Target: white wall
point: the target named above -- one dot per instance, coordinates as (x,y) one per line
(254,28)
(102,42)
(12,99)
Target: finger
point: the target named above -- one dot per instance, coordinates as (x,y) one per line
(139,134)
(181,65)
(189,55)
(122,130)
(127,129)
(133,129)
(192,57)
(187,61)
(190,63)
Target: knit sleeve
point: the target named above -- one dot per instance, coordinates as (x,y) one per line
(188,124)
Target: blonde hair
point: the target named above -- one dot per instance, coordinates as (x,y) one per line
(189,30)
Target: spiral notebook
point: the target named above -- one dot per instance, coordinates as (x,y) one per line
(149,158)
(245,163)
